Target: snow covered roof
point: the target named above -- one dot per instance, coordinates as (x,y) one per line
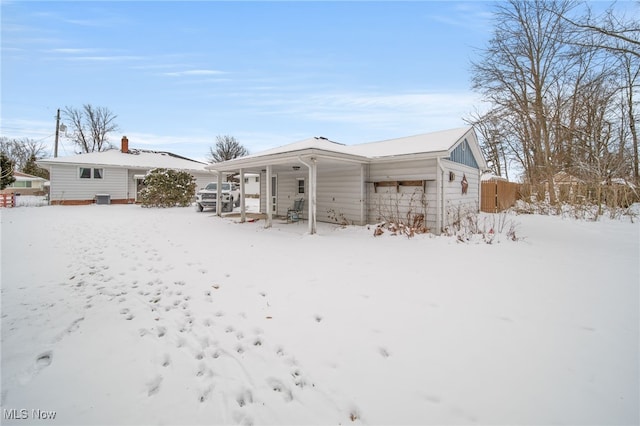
(318,143)
(134,158)
(26,177)
(436,143)
(417,144)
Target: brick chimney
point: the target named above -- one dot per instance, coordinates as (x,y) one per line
(125,145)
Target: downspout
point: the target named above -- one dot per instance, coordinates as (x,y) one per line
(312,193)
(439,196)
(479,189)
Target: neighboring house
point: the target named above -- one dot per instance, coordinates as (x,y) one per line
(116,174)
(26,184)
(434,175)
(252,185)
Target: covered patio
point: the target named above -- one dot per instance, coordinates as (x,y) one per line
(297,166)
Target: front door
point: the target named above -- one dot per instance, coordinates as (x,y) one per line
(139,186)
(274,194)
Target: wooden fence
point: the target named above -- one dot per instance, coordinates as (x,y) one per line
(7,200)
(498,195)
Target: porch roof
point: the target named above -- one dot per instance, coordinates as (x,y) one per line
(317,147)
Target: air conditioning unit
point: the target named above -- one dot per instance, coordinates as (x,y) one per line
(103,199)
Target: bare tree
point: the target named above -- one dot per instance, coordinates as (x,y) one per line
(91,127)
(630,66)
(494,140)
(525,62)
(612,32)
(227,148)
(619,37)
(21,150)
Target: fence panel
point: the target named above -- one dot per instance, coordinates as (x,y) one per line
(498,195)
(7,200)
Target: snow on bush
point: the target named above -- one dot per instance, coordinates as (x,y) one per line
(167,188)
(583,211)
(467,225)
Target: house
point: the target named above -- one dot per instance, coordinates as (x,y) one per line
(26,184)
(115,175)
(252,185)
(433,175)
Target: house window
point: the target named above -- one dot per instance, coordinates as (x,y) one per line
(300,186)
(88,173)
(257,179)
(246,180)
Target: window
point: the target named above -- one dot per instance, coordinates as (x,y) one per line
(257,179)
(300,186)
(87,173)
(246,180)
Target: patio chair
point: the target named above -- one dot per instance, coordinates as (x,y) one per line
(294,213)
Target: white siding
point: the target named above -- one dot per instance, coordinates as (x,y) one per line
(455,201)
(67,185)
(119,183)
(404,170)
(341,196)
(402,203)
(339,193)
(395,203)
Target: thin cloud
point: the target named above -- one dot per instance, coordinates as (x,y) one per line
(468,15)
(72,51)
(197,73)
(113,58)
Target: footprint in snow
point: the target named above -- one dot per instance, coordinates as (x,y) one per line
(44,360)
(166,361)
(277,386)
(384,352)
(153,387)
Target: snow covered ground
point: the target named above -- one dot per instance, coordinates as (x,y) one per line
(124,315)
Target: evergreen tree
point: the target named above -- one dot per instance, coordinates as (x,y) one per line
(6,171)
(33,169)
(167,188)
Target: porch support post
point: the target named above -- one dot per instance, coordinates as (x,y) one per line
(243,213)
(269,200)
(219,195)
(312,196)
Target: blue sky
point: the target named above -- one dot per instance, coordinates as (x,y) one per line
(177,74)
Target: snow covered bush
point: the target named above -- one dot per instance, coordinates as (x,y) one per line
(467,225)
(401,213)
(583,210)
(167,188)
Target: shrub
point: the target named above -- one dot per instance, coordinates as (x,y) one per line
(167,188)
(402,216)
(467,225)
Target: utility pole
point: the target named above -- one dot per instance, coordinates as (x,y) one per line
(55,149)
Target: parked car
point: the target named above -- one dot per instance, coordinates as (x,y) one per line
(208,196)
